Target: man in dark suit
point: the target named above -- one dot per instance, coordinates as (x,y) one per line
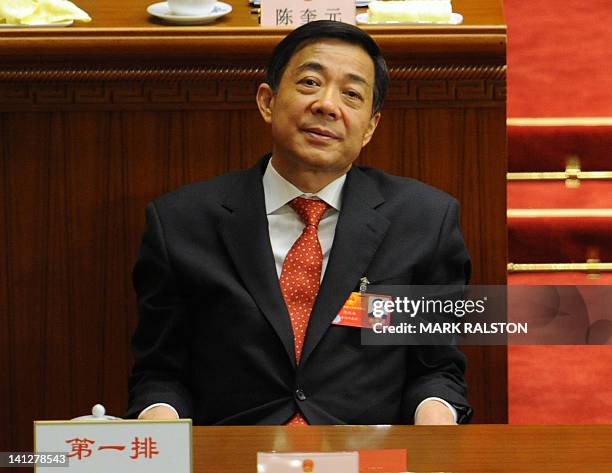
(220,338)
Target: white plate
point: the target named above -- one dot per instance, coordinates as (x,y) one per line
(161,10)
(456,19)
(57,24)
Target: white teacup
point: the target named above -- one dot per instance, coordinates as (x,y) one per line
(191,7)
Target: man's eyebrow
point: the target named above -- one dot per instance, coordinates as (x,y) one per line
(310,66)
(318,67)
(358,78)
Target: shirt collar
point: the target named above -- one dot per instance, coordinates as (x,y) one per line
(278,191)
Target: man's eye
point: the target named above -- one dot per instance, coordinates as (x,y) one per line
(353,95)
(309,82)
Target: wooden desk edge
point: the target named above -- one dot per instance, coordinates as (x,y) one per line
(193,43)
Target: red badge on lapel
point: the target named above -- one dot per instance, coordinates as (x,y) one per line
(363,311)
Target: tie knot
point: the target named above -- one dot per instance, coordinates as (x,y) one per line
(309,210)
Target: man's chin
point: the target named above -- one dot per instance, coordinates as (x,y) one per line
(310,158)
(321,162)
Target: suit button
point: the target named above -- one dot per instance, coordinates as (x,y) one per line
(299,394)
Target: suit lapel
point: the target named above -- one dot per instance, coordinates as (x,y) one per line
(359,231)
(245,233)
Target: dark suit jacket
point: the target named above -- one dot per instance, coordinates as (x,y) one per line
(214,338)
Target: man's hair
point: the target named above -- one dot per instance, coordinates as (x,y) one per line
(325,29)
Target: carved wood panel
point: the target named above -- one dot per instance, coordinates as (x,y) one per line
(217,87)
(63,96)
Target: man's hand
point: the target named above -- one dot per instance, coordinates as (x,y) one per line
(434,413)
(158,413)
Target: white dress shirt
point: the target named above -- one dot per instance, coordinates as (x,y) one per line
(285,227)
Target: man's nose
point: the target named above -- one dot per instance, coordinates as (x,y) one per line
(327,105)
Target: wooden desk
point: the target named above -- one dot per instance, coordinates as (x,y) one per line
(463,449)
(125,31)
(98,119)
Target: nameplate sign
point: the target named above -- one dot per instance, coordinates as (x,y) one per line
(294,13)
(125,446)
(313,462)
(362,461)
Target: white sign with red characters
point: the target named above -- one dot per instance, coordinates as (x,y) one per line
(125,446)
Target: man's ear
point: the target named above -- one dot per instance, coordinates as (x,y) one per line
(372,124)
(265,101)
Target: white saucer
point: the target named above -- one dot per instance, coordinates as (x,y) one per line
(161,10)
(57,24)
(456,19)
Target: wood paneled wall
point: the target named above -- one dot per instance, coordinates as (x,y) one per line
(79,161)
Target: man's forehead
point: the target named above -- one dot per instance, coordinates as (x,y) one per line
(323,54)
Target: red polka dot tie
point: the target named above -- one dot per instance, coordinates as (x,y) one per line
(301,274)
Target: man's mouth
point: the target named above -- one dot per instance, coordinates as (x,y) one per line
(320,133)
